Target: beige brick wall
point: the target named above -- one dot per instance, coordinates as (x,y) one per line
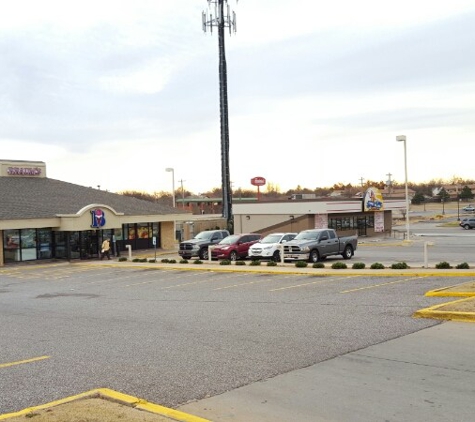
(167,235)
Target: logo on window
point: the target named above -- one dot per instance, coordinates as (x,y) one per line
(98,218)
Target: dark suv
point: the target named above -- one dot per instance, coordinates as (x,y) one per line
(198,246)
(468,223)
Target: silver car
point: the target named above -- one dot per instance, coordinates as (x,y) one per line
(268,247)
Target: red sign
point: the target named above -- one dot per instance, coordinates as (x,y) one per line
(258,181)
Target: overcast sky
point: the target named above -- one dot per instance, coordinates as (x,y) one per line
(111,93)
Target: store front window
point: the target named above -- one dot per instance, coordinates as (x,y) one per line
(44,243)
(28,244)
(11,245)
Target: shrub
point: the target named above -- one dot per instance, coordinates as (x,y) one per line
(143,260)
(122,259)
(197,261)
(172,261)
(358,265)
(399,266)
(301,264)
(318,265)
(377,266)
(183,261)
(443,265)
(136,260)
(165,261)
(152,260)
(225,262)
(339,266)
(240,262)
(255,262)
(462,266)
(272,264)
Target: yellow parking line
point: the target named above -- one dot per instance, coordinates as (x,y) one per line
(20,362)
(313,282)
(381,284)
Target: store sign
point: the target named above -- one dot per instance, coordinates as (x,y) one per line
(258,181)
(373,200)
(98,218)
(23,171)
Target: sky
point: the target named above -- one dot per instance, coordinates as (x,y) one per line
(111,93)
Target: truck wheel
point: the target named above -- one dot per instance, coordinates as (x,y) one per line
(204,254)
(466,227)
(233,256)
(314,256)
(276,256)
(348,252)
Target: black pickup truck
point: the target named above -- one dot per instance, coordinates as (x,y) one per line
(316,244)
(198,246)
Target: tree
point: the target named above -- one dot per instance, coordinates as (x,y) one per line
(466,193)
(418,198)
(443,195)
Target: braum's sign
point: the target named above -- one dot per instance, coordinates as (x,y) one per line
(258,181)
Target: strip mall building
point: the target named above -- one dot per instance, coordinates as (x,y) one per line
(42,218)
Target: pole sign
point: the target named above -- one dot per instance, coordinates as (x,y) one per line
(258,181)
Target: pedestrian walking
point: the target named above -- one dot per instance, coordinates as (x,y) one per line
(105,251)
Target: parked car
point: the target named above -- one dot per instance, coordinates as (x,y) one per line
(316,244)
(235,247)
(467,223)
(269,246)
(469,208)
(198,246)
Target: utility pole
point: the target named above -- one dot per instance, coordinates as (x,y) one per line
(223,20)
(182,193)
(361,181)
(389,183)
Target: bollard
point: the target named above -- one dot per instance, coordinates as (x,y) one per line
(426,259)
(129,248)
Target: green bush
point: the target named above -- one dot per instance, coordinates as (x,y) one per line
(399,266)
(377,266)
(272,264)
(136,260)
(443,265)
(122,259)
(183,261)
(318,265)
(462,266)
(339,266)
(172,261)
(301,264)
(197,261)
(165,261)
(152,260)
(358,265)
(225,262)
(255,262)
(240,262)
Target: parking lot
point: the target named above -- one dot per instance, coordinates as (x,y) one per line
(172,336)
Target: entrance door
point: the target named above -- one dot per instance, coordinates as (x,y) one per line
(361,221)
(89,244)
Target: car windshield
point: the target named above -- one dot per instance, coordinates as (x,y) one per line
(230,240)
(271,238)
(307,235)
(204,235)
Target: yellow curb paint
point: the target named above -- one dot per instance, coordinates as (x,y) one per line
(433,312)
(21,362)
(108,394)
(450,294)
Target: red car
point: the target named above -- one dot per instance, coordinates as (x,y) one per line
(235,246)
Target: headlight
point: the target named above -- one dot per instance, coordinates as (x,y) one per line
(225,248)
(305,249)
(266,248)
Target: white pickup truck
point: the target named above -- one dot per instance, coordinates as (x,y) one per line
(316,244)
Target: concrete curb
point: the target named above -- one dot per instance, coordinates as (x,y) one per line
(433,312)
(107,394)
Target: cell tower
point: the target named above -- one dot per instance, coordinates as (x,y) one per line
(223,19)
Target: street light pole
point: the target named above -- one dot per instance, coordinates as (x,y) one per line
(402,138)
(169,169)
